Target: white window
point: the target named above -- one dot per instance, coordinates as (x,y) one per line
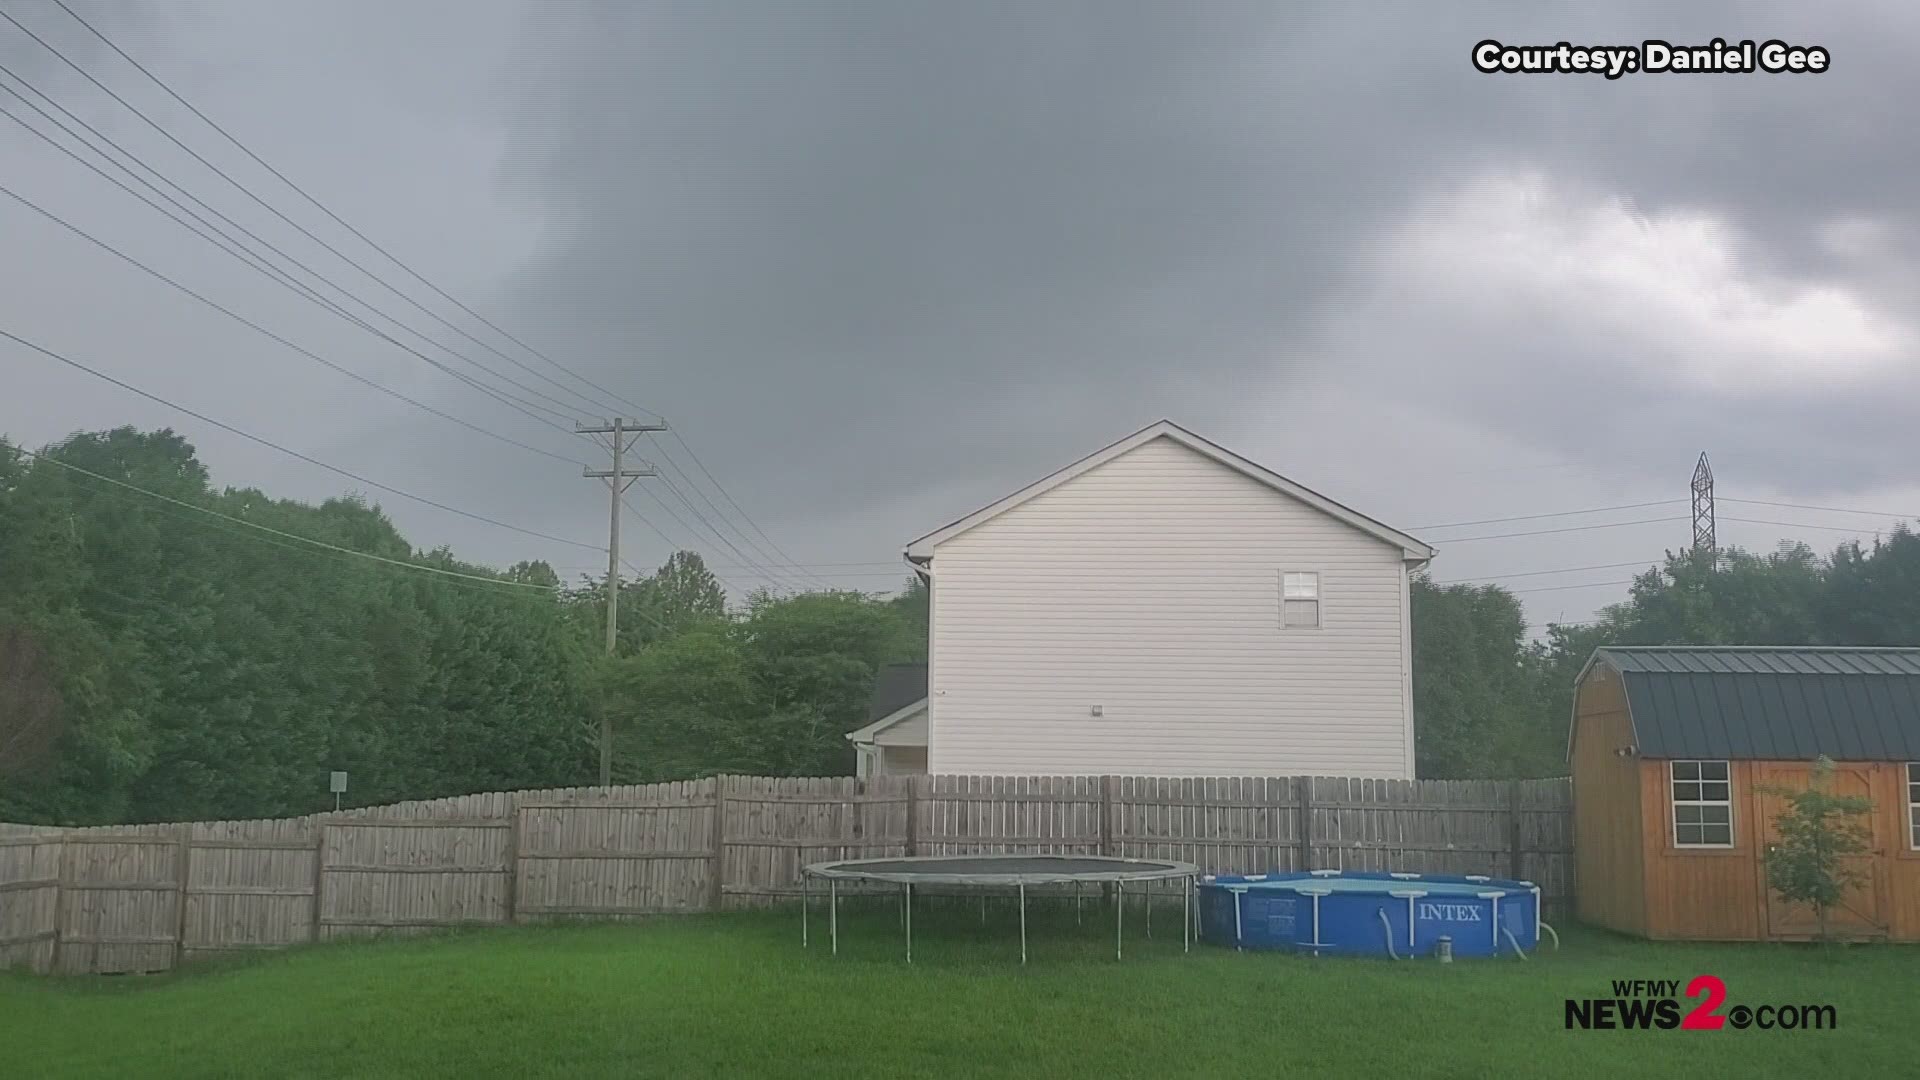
(1300,600)
(1702,804)
(1913,804)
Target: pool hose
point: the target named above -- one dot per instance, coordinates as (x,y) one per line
(1388,927)
(1556,936)
(1516,944)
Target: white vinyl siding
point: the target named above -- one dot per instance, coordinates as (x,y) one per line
(1152,587)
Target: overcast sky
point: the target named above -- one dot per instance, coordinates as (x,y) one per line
(882,263)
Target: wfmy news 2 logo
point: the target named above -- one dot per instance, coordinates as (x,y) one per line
(1661,1005)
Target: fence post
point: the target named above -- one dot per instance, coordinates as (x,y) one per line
(1303,803)
(513,858)
(913,816)
(60,875)
(1513,829)
(180,923)
(319,869)
(1107,784)
(719,843)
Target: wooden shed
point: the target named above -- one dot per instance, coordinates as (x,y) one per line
(1670,747)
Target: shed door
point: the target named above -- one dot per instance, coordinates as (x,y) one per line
(1859,912)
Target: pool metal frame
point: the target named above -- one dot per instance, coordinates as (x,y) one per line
(1015,871)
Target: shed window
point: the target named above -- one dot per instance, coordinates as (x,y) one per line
(1913,804)
(1702,804)
(1300,600)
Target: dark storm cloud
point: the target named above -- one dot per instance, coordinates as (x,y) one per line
(881,262)
(868,249)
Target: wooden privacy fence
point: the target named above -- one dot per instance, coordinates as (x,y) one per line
(138,898)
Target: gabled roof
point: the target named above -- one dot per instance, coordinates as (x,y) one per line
(1414,549)
(1770,703)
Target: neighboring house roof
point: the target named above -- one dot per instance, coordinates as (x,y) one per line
(899,691)
(1414,549)
(897,686)
(1770,703)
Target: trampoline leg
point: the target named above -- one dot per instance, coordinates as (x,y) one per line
(833,913)
(1076,903)
(806,901)
(907,907)
(1023,922)
(1149,911)
(983,909)
(1186,917)
(1119,910)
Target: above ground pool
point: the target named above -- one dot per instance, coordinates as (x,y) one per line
(1370,914)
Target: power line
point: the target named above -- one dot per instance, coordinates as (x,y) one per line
(268,540)
(1856,530)
(1568,529)
(379,279)
(269,334)
(364,238)
(670,541)
(718,535)
(321,544)
(254,262)
(337,219)
(1833,509)
(731,501)
(1563,588)
(78,366)
(1541,573)
(269,207)
(1562,513)
(301,288)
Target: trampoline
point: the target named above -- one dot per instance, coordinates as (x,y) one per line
(1014,872)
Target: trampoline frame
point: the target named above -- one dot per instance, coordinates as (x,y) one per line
(1122,871)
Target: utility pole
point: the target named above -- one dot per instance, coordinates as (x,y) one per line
(1703,539)
(618,478)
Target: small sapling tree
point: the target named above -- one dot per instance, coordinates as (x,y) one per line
(1818,831)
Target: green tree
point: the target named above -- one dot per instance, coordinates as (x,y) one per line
(1818,831)
(1475,699)
(914,602)
(683,593)
(199,669)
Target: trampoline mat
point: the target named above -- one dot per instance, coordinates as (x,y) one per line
(1003,869)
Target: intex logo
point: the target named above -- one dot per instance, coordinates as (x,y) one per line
(1451,912)
(1641,1004)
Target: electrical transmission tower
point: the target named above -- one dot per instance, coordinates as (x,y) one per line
(1703,505)
(618,478)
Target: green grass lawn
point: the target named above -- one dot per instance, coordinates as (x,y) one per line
(737,996)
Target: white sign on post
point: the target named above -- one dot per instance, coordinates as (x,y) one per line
(337,783)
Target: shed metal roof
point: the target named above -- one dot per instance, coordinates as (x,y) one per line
(1763,659)
(1771,703)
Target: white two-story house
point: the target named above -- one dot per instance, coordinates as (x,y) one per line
(1160,607)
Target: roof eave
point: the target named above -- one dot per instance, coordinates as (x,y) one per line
(867,733)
